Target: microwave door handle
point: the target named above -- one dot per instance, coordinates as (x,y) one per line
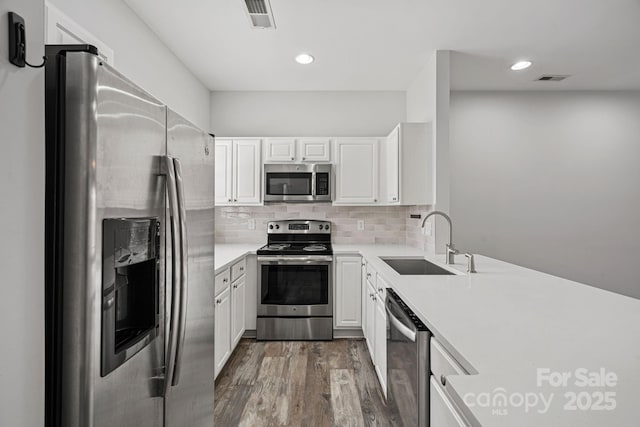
(407,332)
(313,185)
(169,172)
(184,269)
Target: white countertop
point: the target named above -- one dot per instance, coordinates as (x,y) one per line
(505,322)
(227,253)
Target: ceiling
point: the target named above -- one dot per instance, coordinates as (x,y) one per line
(382,44)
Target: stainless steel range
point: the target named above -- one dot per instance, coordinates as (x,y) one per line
(295,282)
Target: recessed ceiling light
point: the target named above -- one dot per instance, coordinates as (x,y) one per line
(304,59)
(521,65)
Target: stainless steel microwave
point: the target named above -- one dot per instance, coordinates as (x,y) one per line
(297,183)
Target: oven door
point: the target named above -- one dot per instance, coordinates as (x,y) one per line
(295,286)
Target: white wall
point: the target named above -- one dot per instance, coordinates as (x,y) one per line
(306,113)
(428,101)
(22,225)
(550,181)
(141,56)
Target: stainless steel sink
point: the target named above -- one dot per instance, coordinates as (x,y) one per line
(407,266)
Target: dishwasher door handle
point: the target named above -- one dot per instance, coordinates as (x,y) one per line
(405,331)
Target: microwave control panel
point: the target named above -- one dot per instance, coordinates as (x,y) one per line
(322,184)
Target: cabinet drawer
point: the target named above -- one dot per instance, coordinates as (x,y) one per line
(443,412)
(371,275)
(238,269)
(442,363)
(381,288)
(222,281)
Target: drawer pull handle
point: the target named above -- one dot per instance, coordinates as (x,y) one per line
(443,380)
(241,268)
(225,280)
(218,301)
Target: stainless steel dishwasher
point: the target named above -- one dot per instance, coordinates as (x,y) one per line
(407,362)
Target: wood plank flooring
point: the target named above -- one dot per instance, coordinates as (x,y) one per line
(301,383)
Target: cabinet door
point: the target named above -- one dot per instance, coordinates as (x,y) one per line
(238,303)
(280,150)
(363,297)
(392,161)
(222,337)
(380,343)
(348,286)
(314,149)
(224,172)
(370,326)
(247,169)
(356,171)
(443,412)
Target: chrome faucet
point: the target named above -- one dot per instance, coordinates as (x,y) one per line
(451,250)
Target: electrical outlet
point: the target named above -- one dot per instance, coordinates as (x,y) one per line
(361,225)
(252,224)
(427,229)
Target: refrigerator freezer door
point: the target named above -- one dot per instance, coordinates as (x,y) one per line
(189,400)
(114,139)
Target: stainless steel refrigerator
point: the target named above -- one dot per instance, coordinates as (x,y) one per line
(130,249)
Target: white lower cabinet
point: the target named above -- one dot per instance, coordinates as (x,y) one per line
(348,290)
(374,322)
(230,311)
(222,336)
(380,342)
(443,413)
(238,304)
(369,327)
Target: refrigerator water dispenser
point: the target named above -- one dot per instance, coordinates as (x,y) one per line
(130,286)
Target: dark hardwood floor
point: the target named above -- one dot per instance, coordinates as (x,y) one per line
(301,383)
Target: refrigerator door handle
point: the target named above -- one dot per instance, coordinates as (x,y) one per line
(184,279)
(170,173)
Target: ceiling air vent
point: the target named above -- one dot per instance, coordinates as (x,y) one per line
(260,14)
(551,78)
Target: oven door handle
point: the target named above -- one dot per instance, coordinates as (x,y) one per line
(404,330)
(281,259)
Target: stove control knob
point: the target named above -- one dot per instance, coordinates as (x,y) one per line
(320,226)
(270,226)
(277,227)
(326,227)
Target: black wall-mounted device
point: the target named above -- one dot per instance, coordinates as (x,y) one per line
(17,40)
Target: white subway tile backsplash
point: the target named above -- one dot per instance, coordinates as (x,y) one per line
(383,224)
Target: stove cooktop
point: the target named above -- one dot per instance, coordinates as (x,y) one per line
(297,248)
(298,237)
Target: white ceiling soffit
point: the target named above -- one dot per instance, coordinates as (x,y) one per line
(382,44)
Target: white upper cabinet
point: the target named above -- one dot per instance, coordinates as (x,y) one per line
(297,150)
(356,165)
(224,173)
(392,163)
(238,172)
(281,150)
(314,149)
(408,168)
(246,171)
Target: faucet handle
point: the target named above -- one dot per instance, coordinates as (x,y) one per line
(471,263)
